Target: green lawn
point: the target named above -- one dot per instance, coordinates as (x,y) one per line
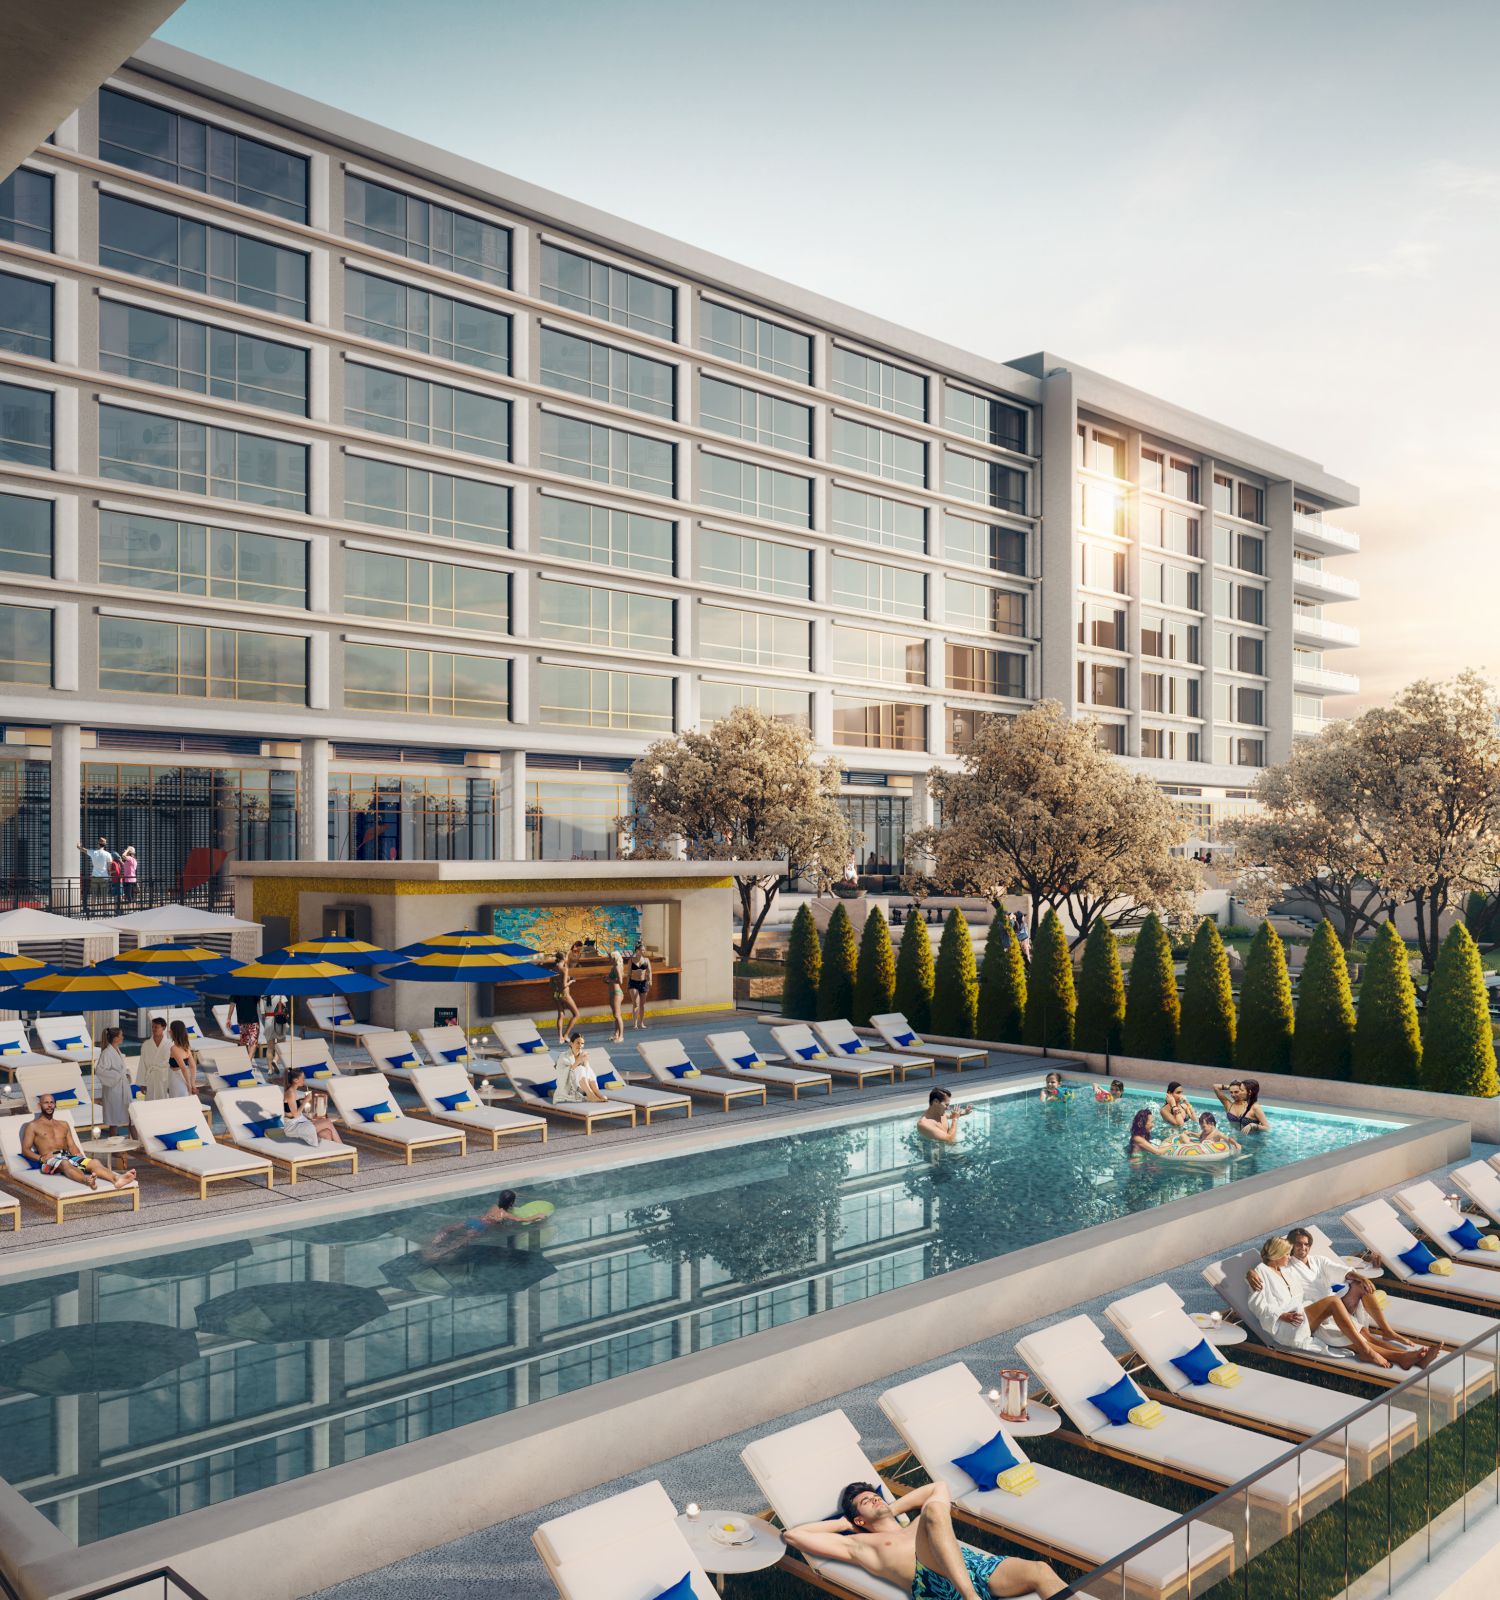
(759,969)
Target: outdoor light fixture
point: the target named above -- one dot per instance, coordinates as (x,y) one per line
(690,1511)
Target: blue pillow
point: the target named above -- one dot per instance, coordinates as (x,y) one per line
(138,1091)
(985,1464)
(531,1046)
(746,1061)
(457,1053)
(31,1162)
(681,1070)
(406,1060)
(545,1090)
(1466,1236)
(808,1051)
(904,1039)
(604,1079)
(67,1044)
(449,1101)
(172,1140)
(370,1113)
(1196,1365)
(1419,1258)
(1117,1401)
(681,1590)
(851,1047)
(233,1080)
(257,1130)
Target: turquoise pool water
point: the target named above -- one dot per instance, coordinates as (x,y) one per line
(131,1392)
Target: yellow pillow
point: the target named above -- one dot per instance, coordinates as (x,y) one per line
(384,1116)
(914,1040)
(1441,1268)
(750,1066)
(692,1072)
(1019,1479)
(1147,1415)
(1226,1375)
(861,1050)
(188,1144)
(465,1105)
(817,1055)
(1489,1242)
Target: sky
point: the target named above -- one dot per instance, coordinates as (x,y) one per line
(1284,214)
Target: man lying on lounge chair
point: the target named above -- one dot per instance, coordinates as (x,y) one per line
(49,1140)
(923,1556)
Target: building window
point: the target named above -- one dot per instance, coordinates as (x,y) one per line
(876,520)
(1101,452)
(607,455)
(877,383)
(582,697)
(606,537)
(421,230)
(140,657)
(1250,603)
(188,558)
(599,290)
(981,417)
(433,324)
(574,821)
(192,818)
(964,723)
(25,316)
(976,671)
(1168,530)
(429,413)
(1168,474)
(877,657)
(156,348)
(741,562)
(418,501)
(1244,652)
(717,700)
(878,826)
(980,544)
(425,682)
(1103,568)
(1171,693)
(1101,626)
(754,342)
(1169,585)
(170,249)
(395,817)
(1169,638)
(1247,551)
(869,586)
(1110,737)
(1250,705)
(755,491)
(1102,509)
(879,724)
(434,593)
(879,451)
(986,482)
(1233,751)
(1236,498)
(26,644)
(26,208)
(753,638)
(976,605)
(748,414)
(601,372)
(1101,685)
(193,459)
(25,535)
(614,618)
(25,425)
(184,150)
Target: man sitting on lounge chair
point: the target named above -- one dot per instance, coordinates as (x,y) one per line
(51,1143)
(924,1556)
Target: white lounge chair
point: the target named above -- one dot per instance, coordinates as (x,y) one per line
(669,1063)
(1449,1384)
(1479,1183)
(240,1108)
(1426,1206)
(1159,1331)
(361,1096)
(15,1047)
(224,1021)
(626,1547)
(448,1046)
(312,1055)
(1378,1227)
(800,1471)
(65,1082)
(10,1211)
(840,1040)
(612,1080)
(59,1193)
(943,1416)
(802,1047)
(899,1035)
(735,1053)
(393,1054)
(230,1067)
(448,1095)
(534,1079)
(332,1015)
(1071,1360)
(64,1038)
(514,1036)
(157,1122)
(187,1017)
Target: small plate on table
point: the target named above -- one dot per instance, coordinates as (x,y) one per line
(731,1531)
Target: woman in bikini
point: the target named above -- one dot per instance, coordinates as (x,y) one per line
(184,1080)
(562,989)
(640,982)
(614,981)
(1241,1102)
(1139,1141)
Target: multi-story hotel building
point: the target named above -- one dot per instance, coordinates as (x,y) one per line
(357,501)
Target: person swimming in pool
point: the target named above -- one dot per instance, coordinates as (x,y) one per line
(1241,1102)
(940,1120)
(458,1236)
(1116,1091)
(1177,1108)
(1139,1140)
(1053,1089)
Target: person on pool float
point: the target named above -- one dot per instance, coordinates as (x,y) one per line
(940,1120)
(923,1556)
(1325,1274)
(1241,1102)
(1206,1139)
(458,1236)
(1176,1108)
(1139,1140)
(49,1140)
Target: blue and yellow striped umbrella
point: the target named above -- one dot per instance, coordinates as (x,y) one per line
(462,940)
(467,966)
(341,948)
(172,961)
(93,989)
(21,969)
(293,976)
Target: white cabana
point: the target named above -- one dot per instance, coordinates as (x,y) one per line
(30,926)
(177,921)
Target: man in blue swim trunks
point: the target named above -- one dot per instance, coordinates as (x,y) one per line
(922,1555)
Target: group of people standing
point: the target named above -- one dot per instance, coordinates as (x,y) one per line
(623,973)
(103,866)
(166,1069)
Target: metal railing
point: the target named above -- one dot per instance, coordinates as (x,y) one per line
(68,897)
(162,1584)
(1230,1509)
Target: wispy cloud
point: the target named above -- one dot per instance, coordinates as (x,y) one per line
(1405,262)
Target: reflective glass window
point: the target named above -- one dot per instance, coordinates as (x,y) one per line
(878,383)
(192,458)
(26,208)
(602,372)
(445,506)
(607,455)
(748,414)
(586,697)
(25,425)
(746,563)
(604,536)
(26,644)
(429,413)
(436,593)
(426,683)
(755,342)
(25,535)
(25,316)
(598,289)
(156,348)
(434,324)
(191,558)
(143,657)
(422,230)
(755,491)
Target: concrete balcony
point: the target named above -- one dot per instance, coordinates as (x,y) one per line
(1321,633)
(1324,680)
(1316,583)
(1309,727)
(1326,538)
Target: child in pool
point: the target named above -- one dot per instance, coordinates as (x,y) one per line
(1116,1091)
(1053,1089)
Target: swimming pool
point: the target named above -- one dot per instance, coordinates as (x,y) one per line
(133,1391)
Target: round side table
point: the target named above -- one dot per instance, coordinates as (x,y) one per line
(763,1549)
(1040,1419)
(115,1145)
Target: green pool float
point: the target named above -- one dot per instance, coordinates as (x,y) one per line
(533,1210)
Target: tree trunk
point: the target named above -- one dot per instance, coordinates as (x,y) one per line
(750,926)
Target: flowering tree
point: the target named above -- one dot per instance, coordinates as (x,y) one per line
(746,790)
(1039,808)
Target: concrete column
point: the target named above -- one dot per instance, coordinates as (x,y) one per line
(1133,603)
(1053,562)
(67,798)
(1212,673)
(1280,565)
(312,803)
(922,813)
(511,843)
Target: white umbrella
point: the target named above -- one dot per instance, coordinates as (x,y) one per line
(174,921)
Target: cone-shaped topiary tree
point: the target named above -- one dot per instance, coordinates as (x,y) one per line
(1152,1008)
(1101,994)
(1265,1034)
(1002,985)
(1051,1001)
(1208,1022)
(840,962)
(804,964)
(1323,1041)
(955,990)
(1458,1044)
(875,977)
(1387,1035)
(914,975)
